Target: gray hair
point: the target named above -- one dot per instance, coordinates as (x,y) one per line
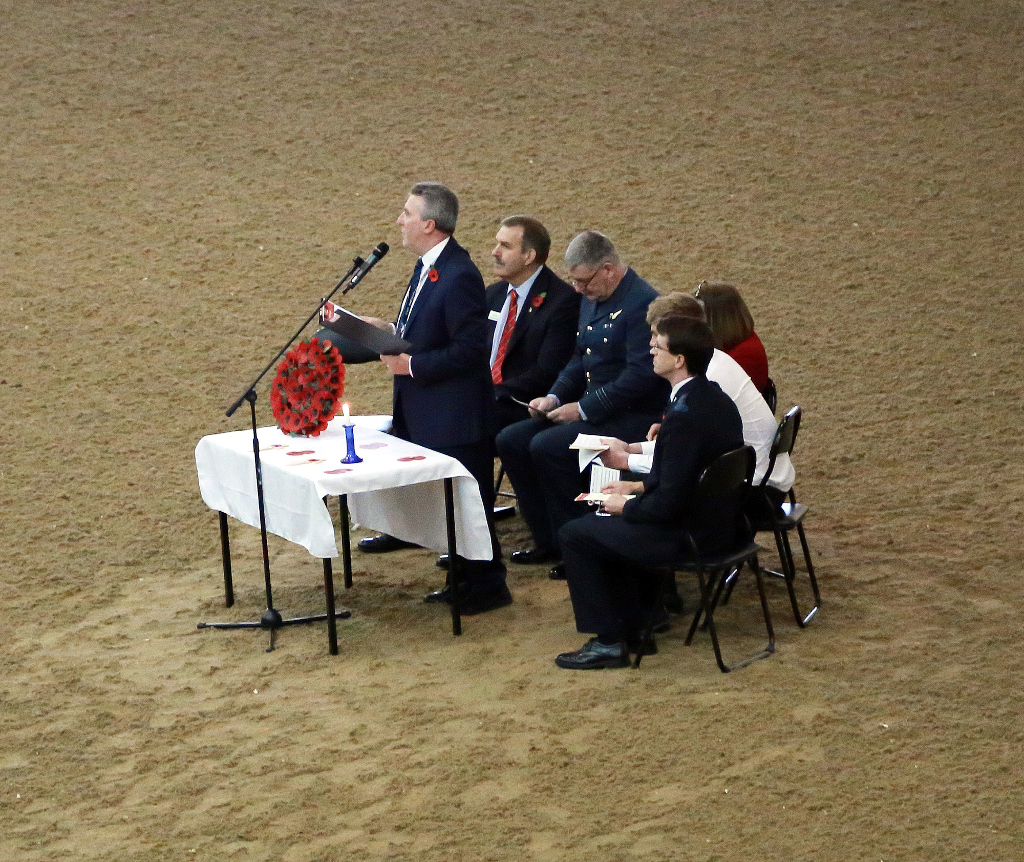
(590,249)
(439,204)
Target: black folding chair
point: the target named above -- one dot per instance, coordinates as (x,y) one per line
(501,512)
(722,487)
(769,515)
(771,396)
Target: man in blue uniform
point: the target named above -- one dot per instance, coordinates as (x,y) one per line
(608,387)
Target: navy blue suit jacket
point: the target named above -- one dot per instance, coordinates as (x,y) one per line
(448,400)
(611,370)
(543,338)
(701,424)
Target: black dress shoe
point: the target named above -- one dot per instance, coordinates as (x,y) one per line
(382,544)
(442,561)
(444,595)
(593,655)
(534,556)
(482,602)
(557,573)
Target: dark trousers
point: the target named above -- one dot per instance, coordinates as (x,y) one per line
(545,472)
(481,575)
(615,571)
(507,412)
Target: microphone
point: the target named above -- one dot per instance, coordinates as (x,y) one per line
(360,274)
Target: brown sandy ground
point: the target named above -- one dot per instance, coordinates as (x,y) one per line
(181,181)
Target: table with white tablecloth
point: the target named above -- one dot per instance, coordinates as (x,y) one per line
(398,488)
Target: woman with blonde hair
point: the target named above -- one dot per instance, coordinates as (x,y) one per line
(733,327)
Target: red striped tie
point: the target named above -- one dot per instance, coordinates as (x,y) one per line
(506,334)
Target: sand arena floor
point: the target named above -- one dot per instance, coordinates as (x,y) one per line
(182,181)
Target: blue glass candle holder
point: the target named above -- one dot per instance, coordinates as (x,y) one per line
(350,456)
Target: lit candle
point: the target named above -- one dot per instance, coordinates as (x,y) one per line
(350,441)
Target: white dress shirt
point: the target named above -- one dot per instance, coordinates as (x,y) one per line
(499,324)
(759,425)
(428,259)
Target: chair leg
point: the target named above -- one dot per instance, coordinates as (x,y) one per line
(646,643)
(502,512)
(700,616)
(785,556)
(770,648)
(733,577)
(789,572)
(810,575)
(711,591)
(707,609)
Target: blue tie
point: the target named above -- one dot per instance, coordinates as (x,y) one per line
(410,295)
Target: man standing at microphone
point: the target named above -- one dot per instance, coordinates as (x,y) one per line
(443,395)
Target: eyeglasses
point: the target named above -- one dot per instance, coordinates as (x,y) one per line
(656,346)
(583,282)
(696,293)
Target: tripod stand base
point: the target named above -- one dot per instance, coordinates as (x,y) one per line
(271,621)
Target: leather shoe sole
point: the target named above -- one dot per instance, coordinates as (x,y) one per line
(383,544)
(533,556)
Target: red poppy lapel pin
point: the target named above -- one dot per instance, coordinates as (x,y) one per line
(538,300)
(432,274)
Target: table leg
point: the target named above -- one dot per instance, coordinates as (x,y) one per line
(346,539)
(332,628)
(454,563)
(225,554)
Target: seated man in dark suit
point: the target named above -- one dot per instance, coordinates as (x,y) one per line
(533,316)
(607,387)
(614,564)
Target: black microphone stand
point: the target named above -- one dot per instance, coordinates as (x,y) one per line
(271,618)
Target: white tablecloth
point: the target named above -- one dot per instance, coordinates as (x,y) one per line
(402,497)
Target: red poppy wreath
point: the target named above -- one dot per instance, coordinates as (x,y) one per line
(305,391)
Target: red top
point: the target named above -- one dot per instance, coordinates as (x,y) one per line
(751,357)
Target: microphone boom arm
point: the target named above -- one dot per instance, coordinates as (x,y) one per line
(357,262)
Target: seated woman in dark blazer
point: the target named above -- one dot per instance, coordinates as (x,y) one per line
(733,326)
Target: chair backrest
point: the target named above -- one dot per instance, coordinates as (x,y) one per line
(771,396)
(785,439)
(720,496)
(726,474)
